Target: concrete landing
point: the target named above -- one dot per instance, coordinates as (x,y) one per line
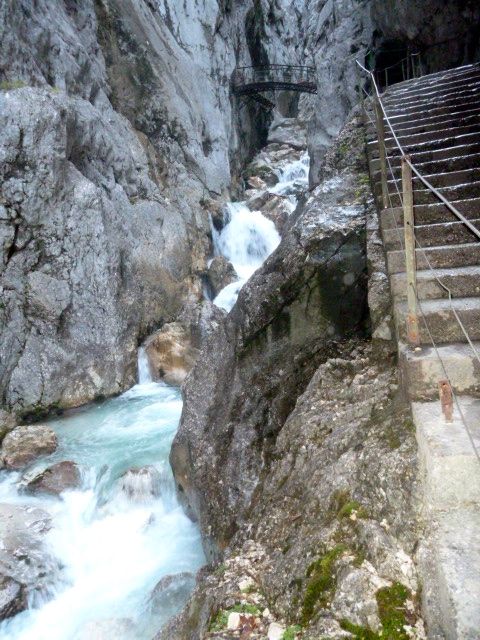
(450,550)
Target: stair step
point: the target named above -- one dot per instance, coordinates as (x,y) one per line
(458,103)
(438,180)
(423,126)
(441,94)
(463,282)
(422,370)
(433,79)
(420,156)
(433,235)
(426,196)
(452,138)
(441,321)
(431,89)
(421,106)
(459,255)
(429,136)
(431,213)
(428,117)
(438,167)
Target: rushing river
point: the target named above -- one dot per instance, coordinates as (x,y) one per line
(249,237)
(113,540)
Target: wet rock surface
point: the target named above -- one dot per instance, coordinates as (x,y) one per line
(220,273)
(309,294)
(26,569)
(321,514)
(8,422)
(172,350)
(25,444)
(55,479)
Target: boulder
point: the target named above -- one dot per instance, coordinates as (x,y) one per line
(12,597)
(8,422)
(255,182)
(142,484)
(55,479)
(171,353)
(288,131)
(220,274)
(171,593)
(25,565)
(277,209)
(25,444)
(262,174)
(173,349)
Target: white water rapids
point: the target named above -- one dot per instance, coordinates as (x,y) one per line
(249,237)
(113,539)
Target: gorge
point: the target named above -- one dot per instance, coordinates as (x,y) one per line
(206,427)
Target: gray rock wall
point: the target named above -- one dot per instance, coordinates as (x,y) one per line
(116,126)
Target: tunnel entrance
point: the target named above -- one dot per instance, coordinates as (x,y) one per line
(393,61)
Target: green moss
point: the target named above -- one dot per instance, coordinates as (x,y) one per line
(220,620)
(8,85)
(321,582)
(343,148)
(291,632)
(359,633)
(220,570)
(352,506)
(392,614)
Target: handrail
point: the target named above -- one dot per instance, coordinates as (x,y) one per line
(442,284)
(435,191)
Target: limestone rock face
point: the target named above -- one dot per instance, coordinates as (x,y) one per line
(23,445)
(55,479)
(220,273)
(8,421)
(173,349)
(309,294)
(116,125)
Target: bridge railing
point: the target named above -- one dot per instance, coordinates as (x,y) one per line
(273,76)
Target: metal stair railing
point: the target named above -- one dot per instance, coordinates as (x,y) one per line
(409,242)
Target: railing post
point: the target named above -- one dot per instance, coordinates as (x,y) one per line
(382,151)
(413,335)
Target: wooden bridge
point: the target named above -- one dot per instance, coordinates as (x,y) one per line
(251,81)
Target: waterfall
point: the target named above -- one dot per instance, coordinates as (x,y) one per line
(249,237)
(143,367)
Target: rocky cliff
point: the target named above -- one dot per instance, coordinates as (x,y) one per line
(117,130)
(297,418)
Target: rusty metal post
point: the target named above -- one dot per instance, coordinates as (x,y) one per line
(446,399)
(382,151)
(413,335)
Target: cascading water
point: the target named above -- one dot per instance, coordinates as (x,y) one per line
(118,535)
(249,237)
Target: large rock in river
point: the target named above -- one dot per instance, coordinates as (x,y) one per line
(55,479)
(24,444)
(221,273)
(25,565)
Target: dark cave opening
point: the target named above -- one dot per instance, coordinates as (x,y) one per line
(393,61)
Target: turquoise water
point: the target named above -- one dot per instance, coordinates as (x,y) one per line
(113,548)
